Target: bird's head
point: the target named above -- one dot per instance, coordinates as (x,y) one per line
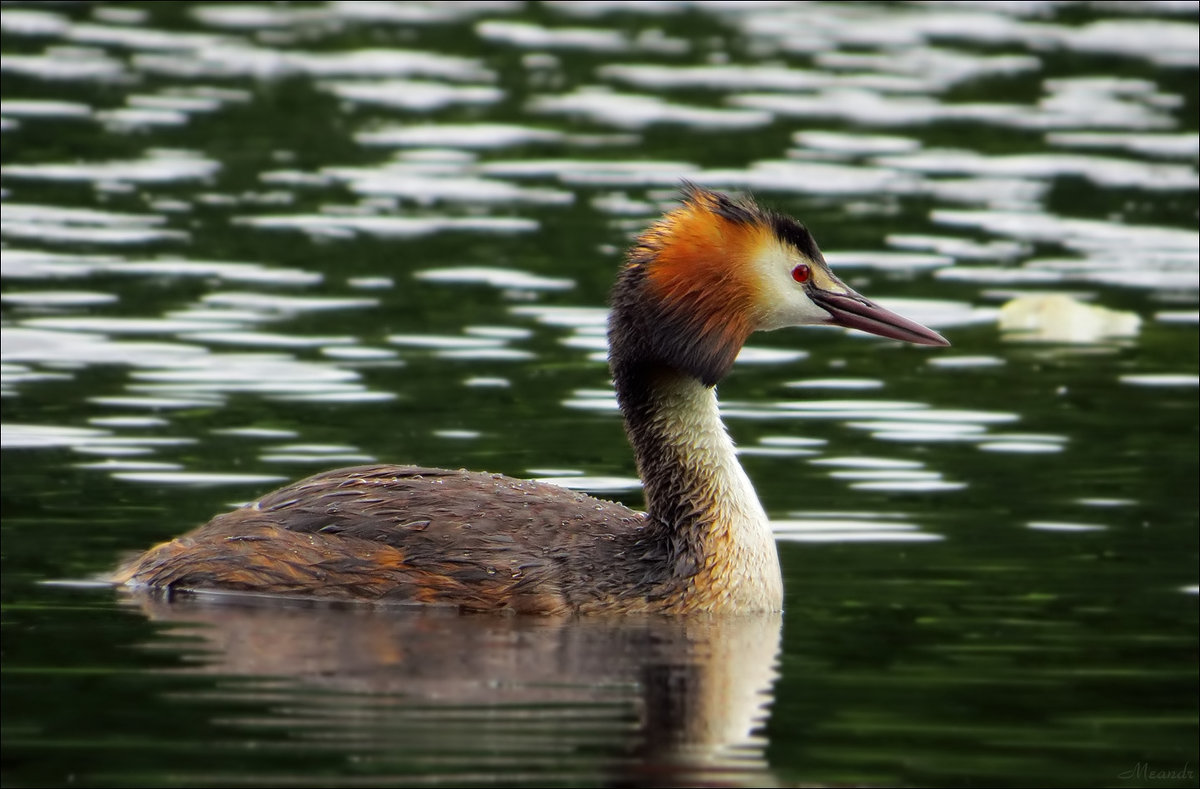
(705,276)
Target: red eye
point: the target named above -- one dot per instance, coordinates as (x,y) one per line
(801,273)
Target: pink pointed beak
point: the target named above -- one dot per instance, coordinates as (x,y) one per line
(854,312)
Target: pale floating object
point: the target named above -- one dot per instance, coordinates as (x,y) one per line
(1060,318)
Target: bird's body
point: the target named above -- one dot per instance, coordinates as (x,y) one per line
(695,285)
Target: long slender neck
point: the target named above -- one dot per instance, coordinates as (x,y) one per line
(717,534)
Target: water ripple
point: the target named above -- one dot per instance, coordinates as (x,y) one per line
(322,225)
(415,95)
(159,166)
(465,135)
(637,111)
(846,527)
(494,277)
(59,224)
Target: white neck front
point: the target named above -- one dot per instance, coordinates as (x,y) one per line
(698,489)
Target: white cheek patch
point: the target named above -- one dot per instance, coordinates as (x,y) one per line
(783,301)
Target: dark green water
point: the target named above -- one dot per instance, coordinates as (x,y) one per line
(244,243)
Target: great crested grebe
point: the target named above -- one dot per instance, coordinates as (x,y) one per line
(694,286)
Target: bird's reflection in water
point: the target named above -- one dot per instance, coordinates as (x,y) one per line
(637,701)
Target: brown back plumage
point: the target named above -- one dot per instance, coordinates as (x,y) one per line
(396,533)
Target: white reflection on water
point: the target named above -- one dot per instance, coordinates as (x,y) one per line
(844,144)
(1183,145)
(790,176)
(54,223)
(1064,527)
(260,339)
(487,382)
(1105,171)
(1161,379)
(115,464)
(872,108)
(592,484)
(127,421)
(65,348)
(25,436)
(791,441)
(899,421)
(959,248)
(848,527)
(237,58)
(774,452)
(1177,316)
(458,435)
(726,76)
(495,276)
(900,261)
(485,354)
(255,432)
(911,486)
(590,172)
(63,63)
(286,305)
(324,461)
(91,441)
(836,383)
(568,317)
(753,355)
(172,107)
(867,463)
(1104,502)
(31,22)
(955,362)
(636,111)
(444,341)
(459,135)
(1167,257)
(159,166)
(252,372)
(101,325)
(196,478)
(417,95)
(920,432)
(403,179)
(1161,42)
(902,476)
(225,270)
(1000,275)
(501,332)
(172,374)
(474,346)
(1021,447)
(12,375)
(329,225)
(360,353)
(530,36)
(57,298)
(44,108)
(156,403)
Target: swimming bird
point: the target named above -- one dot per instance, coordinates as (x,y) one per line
(693,287)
